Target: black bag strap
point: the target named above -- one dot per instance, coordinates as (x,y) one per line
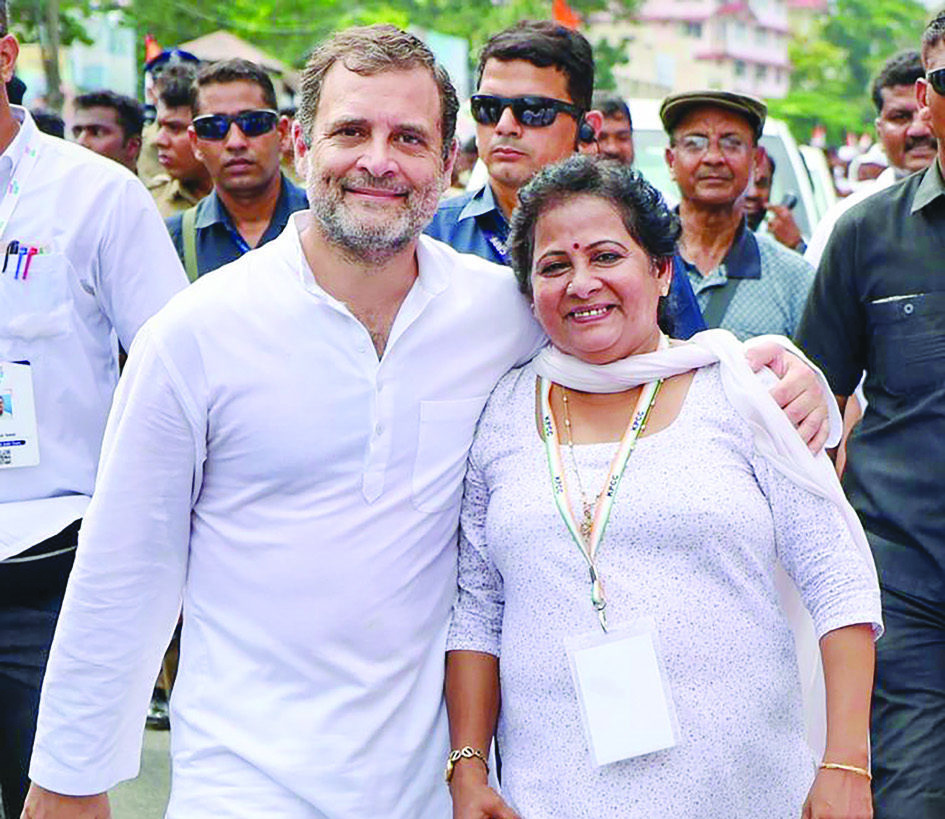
(719,300)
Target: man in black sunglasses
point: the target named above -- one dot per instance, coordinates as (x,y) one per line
(238,135)
(532,108)
(878,304)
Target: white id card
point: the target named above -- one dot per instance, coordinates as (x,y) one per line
(19,445)
(625,701)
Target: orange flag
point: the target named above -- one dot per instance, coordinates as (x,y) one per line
(562,13)
(152,48)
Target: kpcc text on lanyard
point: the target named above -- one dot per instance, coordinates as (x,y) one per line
(605,501)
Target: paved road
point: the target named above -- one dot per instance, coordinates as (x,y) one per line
(146,796)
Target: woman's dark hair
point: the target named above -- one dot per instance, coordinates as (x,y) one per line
(648,220)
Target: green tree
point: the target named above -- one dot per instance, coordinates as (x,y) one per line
(51,23)
(607,56)
(836,59)
(289,28)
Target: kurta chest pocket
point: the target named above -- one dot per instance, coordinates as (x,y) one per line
(446,431)
(34,300)
(908,335)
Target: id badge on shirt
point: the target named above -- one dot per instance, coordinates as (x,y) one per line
(19,445)
(623,692)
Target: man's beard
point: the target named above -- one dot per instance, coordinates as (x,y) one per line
(371,239)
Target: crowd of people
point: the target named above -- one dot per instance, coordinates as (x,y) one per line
(527,480)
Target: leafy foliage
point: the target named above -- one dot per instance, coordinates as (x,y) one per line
(835,61)
(28,19)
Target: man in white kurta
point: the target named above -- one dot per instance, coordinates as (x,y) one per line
(298,487)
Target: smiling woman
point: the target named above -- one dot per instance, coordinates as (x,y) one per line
(648,665)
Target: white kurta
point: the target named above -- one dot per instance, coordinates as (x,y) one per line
(303,497)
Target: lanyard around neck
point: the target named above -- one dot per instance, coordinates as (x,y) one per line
(605,501)
(241,244)
(14,191)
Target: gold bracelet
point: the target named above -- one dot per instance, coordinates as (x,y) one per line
(836,766)
(466,752)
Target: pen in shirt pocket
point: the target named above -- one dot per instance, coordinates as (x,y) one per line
(21,251)
(13,248)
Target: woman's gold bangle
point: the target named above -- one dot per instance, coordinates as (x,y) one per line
(836,766)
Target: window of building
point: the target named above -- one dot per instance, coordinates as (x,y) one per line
(739,68)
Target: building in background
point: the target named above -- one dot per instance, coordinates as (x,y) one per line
(676,45)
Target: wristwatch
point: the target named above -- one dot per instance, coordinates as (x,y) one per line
(466,752)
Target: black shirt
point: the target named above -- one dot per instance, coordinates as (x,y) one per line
(878,304)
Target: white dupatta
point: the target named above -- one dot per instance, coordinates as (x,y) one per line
(775,438)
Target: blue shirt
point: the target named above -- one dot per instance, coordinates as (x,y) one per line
(473,223)
(772,291)
(218,241)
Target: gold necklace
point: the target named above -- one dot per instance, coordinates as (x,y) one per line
(587,519)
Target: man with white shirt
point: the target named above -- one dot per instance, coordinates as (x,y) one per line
(73,227)
(907,140)
(286,454)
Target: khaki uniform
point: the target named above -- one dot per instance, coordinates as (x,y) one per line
(148,165)
(170,195)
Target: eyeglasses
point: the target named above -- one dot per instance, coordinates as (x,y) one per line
(936,79)
(697,145)
(535,112)
(251,123)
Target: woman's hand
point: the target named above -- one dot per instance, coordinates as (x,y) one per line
(472,796)
(838,795)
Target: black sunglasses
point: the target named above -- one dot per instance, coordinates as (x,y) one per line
(251,123)
(535,112)
(936,79)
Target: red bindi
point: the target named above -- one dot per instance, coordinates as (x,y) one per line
(577,246)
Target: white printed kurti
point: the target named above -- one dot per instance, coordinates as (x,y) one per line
(699,524)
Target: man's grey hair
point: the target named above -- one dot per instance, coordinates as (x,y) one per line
(370,50)
(4,19)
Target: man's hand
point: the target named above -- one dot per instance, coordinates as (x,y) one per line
(43,804)
(838,795)
(474,799)
(797,392)
(782,226)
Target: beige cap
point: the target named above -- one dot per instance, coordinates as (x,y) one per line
(676,106)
